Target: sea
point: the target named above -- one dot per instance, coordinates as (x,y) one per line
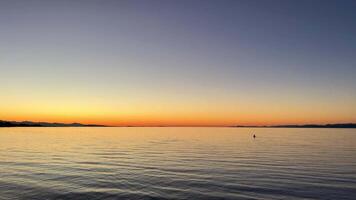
(177,163)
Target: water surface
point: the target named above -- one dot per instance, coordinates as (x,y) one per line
(177,163)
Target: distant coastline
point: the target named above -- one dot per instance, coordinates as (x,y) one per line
(344,125)
(44,124)
(55,124)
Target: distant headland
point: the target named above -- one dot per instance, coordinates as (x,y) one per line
(344,125)
(4,123)
(44,124)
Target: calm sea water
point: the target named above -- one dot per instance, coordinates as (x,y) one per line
(177,163)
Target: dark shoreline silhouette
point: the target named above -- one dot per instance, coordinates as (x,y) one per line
(344,125)
(47,124)
(44,124)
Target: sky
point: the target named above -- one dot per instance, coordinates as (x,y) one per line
(178,63)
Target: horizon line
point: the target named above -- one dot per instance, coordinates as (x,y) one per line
(284,125)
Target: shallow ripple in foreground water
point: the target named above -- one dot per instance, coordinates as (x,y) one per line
(177,163)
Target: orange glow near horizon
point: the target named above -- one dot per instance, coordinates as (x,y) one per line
(177,119)
(170,109)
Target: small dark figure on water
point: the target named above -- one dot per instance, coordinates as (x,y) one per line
(254,136)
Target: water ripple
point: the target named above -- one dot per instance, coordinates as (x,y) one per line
(177,163)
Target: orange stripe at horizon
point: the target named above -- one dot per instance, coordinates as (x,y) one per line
(150,120)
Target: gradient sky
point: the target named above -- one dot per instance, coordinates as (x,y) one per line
(178,62)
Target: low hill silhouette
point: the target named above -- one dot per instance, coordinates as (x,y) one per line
(43,124)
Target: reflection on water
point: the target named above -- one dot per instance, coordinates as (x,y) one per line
(177,163)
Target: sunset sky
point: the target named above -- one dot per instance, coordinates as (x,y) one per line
(182,63)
